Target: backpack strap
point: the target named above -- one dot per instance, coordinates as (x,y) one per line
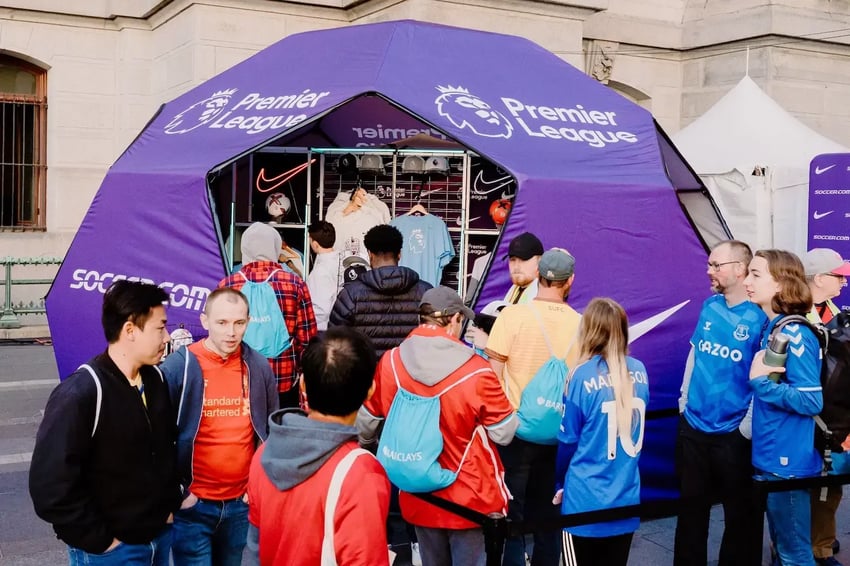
(99,400)
(267,279)
(341,470)
(395,351)
(546,335)
(817,329)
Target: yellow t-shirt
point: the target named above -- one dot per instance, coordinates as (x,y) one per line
(517,336)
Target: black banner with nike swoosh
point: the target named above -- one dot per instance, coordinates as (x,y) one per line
(829,208)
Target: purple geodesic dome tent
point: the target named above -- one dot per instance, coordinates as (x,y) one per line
(595,175)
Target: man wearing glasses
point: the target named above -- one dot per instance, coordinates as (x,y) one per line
(713,449)
(826,274)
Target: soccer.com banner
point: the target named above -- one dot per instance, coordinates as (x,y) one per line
(829,208)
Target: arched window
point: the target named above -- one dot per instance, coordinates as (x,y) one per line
(23,141)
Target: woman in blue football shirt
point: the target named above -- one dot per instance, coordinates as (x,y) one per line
(601,437)
(783,428)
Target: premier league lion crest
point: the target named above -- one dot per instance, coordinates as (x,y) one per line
(199,113)
(465,110)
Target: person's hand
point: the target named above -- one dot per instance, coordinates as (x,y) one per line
(559,496)
(170,519)
(113,546)
(190,500)
(758,368)
(245,498)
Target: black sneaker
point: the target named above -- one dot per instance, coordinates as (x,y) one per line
(829,561)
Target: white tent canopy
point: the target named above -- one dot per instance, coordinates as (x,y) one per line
(754,158)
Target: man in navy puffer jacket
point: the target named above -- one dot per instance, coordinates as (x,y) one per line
(382,303)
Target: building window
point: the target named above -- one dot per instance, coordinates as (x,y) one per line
(23,142)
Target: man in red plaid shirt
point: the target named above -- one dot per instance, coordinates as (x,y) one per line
(261,245)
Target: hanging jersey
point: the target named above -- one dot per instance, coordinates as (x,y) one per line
(783,427)
(427,245)
(602,473)
(724,341)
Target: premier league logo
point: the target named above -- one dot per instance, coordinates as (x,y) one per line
(465,110)
(741,332)
(199,113)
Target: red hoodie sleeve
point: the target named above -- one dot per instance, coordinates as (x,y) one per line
(360,521)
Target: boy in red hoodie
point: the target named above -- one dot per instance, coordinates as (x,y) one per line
(315,497)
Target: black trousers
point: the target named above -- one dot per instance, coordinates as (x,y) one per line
(714,468)
(596,551)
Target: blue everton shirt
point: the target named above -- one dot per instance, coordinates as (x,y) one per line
(783,427)
(724,341)
(601,473)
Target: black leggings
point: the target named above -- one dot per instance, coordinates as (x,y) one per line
(596,551)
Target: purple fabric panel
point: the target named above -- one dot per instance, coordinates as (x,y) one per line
(522,105)
(829,208)
(632,244)
(677,169)
(262,97)
(372,121)
(151,227)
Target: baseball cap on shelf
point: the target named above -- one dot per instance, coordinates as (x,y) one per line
(556,264)
(525,246)
(353,267)
(825,260)
(371,163)
(354,260)
(445,302)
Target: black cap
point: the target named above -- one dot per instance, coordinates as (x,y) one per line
(525,246)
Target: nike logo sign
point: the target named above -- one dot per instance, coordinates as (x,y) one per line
(428,192)
(483,187)
(819,170)
(266,185)
(818,215)
(639,329)
(459,220)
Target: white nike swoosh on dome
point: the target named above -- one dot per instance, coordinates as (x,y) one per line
(459,220)
(640,328)
(819,170)
(818,215)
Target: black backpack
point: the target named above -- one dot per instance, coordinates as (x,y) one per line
(833,422)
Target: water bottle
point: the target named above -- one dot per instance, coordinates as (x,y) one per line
(776,354)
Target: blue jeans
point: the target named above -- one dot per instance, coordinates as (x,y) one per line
(210,532)
(789,520)
(447,547)
(154,553)
(530,477)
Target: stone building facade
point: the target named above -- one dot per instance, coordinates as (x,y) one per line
(82,77)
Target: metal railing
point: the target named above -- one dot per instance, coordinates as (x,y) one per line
(11,311)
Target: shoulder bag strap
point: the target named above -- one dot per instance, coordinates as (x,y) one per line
(99,399)
(328,552)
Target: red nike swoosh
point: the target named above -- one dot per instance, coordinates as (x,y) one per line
(277,181)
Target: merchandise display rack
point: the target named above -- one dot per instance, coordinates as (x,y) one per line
(310,179)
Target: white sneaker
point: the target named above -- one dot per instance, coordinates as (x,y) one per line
(415,559)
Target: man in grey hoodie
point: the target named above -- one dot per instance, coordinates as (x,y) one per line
(474,414)
(315,497)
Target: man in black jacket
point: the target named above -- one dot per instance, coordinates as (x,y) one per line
(103,468)
(382,303)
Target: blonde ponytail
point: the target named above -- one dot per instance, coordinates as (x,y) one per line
(605,332)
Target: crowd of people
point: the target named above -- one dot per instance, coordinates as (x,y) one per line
(304,435)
